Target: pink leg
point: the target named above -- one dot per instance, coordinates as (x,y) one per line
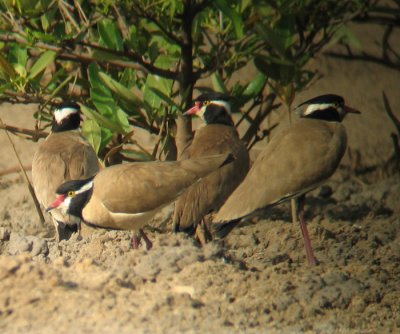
(146,239)
(307,243)
(135,241)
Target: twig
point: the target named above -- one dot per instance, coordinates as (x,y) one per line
(14,169)
(390,113)
(30,188)
(396,122)
(259,118)
(159,137)
(363,57)
(34,134)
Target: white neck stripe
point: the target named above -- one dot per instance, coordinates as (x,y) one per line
(314,107)
(86,187)
(223,104)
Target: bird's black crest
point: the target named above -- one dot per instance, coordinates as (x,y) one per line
(72,185)
(68,104)
(327,98)
(213,96)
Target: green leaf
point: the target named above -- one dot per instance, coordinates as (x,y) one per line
(101,120)
(119,89)
(255,85)
(110,35)
(161,84)
(92,132)
(224,7)
(6,68)
(345,35)
(166,99)
(106,136)
(282,74)
(102,101)
(122,119)
(18,55)
(95,82)
(217,83)
(137,155)
(45,59)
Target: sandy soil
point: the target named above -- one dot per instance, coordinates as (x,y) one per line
(255,281)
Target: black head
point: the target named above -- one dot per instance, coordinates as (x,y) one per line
(329,107)
(66,117)
(212,108)
(72,196)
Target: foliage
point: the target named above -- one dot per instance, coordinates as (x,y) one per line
(135,63)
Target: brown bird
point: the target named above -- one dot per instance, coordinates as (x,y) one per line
(127,196)
(219,135)
(297,160)
(63,156)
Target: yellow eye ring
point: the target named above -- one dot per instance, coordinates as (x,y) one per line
(71,193)
(206,103)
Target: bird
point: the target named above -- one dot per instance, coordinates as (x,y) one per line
(64,155)
(295,161)
(218,135)
(127,196)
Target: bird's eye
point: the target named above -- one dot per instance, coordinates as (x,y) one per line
(206,103)
(71,193)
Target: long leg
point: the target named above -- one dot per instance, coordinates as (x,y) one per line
(294,209)
(146,239)
(307,243)
(202,232)
(135,240)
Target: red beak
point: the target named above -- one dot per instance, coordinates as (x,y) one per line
(350,110)
(193,110)
(59,199)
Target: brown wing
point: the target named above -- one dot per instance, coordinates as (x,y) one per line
(141,187)
(61,157)
(294,162)
(211,192)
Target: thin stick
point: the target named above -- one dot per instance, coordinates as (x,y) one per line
(293,201)
(34,134)
(30,188)
(14,169)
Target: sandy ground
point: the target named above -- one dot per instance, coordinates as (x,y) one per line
(255,281)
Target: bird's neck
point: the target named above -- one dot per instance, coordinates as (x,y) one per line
(79,202)
(217,115)
(68,124)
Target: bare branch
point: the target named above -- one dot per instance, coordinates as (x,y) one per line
(14,169)
(68,16)
(138,62)
(390,112)
(264,112)
(33,135)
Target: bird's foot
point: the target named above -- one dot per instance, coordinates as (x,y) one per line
(135,241)
(203,233)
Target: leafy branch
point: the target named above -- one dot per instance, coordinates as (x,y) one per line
(135,64)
